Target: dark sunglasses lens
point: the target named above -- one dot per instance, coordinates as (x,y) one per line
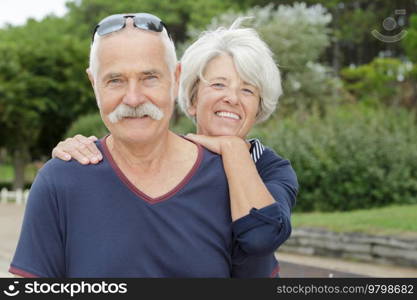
(148,23)
(110,25)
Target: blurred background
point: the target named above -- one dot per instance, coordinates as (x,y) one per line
(346,121)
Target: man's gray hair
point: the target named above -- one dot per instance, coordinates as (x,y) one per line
(251,55)
(170,54)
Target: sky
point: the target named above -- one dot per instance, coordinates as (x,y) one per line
(16,12)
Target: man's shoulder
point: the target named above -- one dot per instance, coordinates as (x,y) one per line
(211,158)
(58,169)
(57,165)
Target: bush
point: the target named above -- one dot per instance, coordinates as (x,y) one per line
(9,186)
(183,126)
(382,81)
(410,40)
(87,125)
(355,157)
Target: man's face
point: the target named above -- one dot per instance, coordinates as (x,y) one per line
(132,70)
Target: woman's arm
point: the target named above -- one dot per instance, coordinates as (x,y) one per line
(260,203)
(246,188)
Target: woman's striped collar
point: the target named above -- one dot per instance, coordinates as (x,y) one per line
(256,149)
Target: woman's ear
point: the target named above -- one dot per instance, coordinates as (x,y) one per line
(192,110)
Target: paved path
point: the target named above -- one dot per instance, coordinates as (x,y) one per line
(11,216)
(291,265)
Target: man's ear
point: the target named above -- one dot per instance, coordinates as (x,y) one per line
(178,69)
(90,76)
(177,78)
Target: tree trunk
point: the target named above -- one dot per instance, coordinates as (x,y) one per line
(20,159)
(336,53)
(336,58)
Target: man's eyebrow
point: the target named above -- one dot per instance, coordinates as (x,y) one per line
(111,76)
(151,72)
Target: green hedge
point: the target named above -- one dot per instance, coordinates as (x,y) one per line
(88,125)
(353,157)
(9,186)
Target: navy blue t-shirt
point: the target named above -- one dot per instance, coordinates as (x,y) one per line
(90,221)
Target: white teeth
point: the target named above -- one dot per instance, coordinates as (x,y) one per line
(227,115)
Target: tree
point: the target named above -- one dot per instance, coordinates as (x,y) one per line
(297,35)
(178,15)
(43,87)
(353,23)
(410,40)
(410,46)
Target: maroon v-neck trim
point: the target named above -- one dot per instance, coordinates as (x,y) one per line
(138,192)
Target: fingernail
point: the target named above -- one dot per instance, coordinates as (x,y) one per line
(67,157)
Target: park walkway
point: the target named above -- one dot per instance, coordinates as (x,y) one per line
(11,216)
(291,265)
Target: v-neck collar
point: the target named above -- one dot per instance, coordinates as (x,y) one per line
(137,191)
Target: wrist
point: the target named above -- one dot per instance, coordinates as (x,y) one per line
(233,144)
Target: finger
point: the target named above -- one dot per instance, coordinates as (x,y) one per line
(89,142)
(198,138)
(80,157)
(202,140)
(192,136)
(87,147)
(82,153)
(70,146)
(57,153)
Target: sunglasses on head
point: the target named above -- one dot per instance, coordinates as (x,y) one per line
(140,20)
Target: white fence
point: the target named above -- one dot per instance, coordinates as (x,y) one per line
(19,196)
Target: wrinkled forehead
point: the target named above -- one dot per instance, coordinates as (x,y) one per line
(133,45)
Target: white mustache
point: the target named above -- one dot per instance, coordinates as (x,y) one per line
(145,109)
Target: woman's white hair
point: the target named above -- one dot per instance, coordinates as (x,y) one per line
(252,58)
(170,54)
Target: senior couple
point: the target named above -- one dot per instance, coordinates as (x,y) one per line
(153,203)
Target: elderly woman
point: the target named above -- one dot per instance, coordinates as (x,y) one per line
(229,81)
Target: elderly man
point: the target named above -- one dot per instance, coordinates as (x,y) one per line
(158,204)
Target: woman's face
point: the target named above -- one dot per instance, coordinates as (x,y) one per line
(225,104)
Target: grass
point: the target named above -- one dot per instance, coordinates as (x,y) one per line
(7,173)
(390,220)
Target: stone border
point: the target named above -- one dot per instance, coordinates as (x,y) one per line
(357,246)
